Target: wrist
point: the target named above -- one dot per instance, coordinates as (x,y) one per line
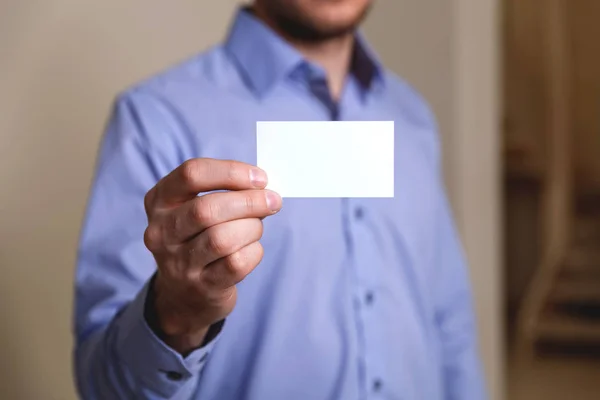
(174,326)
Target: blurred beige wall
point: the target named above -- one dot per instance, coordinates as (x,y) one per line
(64,60)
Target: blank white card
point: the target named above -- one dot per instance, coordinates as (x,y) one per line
(327,158)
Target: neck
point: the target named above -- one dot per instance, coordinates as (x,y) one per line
(333,55)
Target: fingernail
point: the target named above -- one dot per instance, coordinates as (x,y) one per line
(258,177)
(273,201)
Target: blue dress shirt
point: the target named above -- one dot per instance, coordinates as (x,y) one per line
(354,299)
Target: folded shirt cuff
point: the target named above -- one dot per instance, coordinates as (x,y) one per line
(158,366)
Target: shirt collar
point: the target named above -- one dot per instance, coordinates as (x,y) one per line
(264,58)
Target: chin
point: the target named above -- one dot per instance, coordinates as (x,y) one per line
(335,15)
(314,20)
(322,19)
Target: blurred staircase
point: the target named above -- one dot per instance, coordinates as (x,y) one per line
(571,312)
(562,303)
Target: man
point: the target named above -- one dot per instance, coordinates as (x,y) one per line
(353,298)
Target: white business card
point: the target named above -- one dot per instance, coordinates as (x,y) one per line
(327,158)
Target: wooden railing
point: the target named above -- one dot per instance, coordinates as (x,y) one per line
(556,210)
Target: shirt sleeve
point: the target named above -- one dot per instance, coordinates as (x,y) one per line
(450,282)
(117,354)
(463,377)
(454,311)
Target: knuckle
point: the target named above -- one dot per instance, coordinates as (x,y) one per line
(152,238)
(259,252)
(234,172)
(201,211)
(193,276)
(218,243)
(236,264)
(190,172)
(251,202)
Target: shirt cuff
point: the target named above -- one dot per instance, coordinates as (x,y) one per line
(158,366)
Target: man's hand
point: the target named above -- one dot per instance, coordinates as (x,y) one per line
(204,245)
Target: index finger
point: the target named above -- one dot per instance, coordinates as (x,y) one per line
(200,175)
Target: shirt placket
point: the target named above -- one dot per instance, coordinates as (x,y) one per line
(365,261)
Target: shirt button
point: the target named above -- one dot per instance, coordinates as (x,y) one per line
(174,376)
(377,385)
(359,213)
(369,297)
